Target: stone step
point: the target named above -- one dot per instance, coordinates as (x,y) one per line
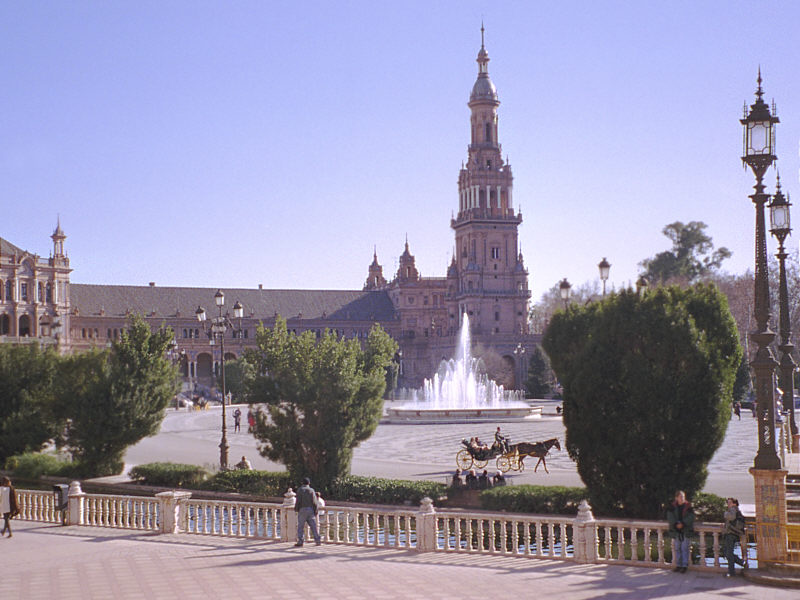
(785,575)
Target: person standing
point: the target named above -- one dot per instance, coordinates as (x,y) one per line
(237,420)
(306,507)
(734,530)
(737,409)
(8,504)
(680,517)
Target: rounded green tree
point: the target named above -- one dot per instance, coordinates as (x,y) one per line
(647,392)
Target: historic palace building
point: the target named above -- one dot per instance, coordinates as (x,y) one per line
(486,280)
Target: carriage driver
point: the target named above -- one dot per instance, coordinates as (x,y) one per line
(504,442)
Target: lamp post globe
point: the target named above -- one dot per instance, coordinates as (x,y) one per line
(605,269)
(564,288)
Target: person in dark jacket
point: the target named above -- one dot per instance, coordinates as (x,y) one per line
(734,530)
(8,504)
(472,480)
(306,507)
(680,517)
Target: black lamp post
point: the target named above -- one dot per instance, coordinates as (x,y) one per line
(219,325)
(519,352)
(564,288)
(780,227)
(605,269)
(759,154)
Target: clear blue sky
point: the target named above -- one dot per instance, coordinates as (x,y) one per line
(227,144)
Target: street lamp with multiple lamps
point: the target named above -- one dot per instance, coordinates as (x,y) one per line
(219,325)
(605,269)
(780,227)
(564,288)
(759,154)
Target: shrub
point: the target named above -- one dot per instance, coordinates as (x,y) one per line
(539,499)
(34,465)
(169,474)
(256,483)
(709,507)
(375,490)
(647,392)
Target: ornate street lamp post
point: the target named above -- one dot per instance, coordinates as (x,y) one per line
(564,288)
(219,325)
(519,353)
(780,227)
(605,269)
(759,154)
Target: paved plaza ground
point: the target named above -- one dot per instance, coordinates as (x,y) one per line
(428,451)
(45,562)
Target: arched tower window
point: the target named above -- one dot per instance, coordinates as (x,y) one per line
(488,132)
(9,291)
(48,292)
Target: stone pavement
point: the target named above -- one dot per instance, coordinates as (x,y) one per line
(44,561)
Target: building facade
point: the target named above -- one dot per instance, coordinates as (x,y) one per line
(486,279)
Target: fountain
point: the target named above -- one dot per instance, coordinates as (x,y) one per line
(461,391)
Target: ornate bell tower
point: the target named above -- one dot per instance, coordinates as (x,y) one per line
(492,281)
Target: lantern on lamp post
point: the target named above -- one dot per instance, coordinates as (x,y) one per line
(564,288)
(759,154)
(605,269)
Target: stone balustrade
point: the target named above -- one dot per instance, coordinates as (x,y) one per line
(581,539)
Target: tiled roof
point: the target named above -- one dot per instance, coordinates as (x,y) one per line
(7,248)
(116,300)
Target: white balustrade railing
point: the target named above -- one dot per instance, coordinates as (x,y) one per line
(230,518)
(375,527)
(121,512)
(582,538)
(36,505)
(647,543)
(508,534)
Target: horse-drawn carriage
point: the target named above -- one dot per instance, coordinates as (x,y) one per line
(511,459)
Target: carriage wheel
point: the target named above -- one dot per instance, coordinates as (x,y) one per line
(464,460)
(480,464)
(503,464)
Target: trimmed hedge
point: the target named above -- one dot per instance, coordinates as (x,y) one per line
(34,465)
(375,490)
(255,483)
(169,474)
(538,499)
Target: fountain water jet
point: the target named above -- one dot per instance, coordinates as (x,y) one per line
(461,391)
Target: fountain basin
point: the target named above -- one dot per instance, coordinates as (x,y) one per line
(415,414)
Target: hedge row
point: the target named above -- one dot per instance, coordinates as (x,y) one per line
(169,474)
(375,490)
(537,499)
(33,466)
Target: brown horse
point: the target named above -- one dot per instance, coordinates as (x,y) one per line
(539,450)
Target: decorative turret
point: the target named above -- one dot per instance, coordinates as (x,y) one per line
(407,269)
(375,278)
(58,238)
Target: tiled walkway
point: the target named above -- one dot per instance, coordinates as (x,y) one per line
(44,561)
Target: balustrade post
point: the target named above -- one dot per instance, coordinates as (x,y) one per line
(584,535)
(172,505)
(75,496)
(426,526)
(289,517)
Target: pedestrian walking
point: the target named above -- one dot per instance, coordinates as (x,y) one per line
(680,517)
(734,530)
(8,504)
(237,420)
(306,506)
(251,421)
(737,409)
